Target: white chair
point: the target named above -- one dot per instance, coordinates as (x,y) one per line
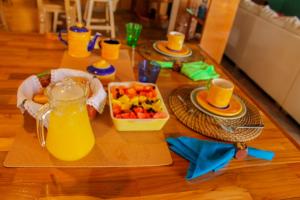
(2,17)
(46,8)
(109,21)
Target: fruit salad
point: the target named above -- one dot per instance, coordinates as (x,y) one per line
(137,101)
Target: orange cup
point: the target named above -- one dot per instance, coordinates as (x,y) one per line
(175,40)
(110,49)
(220,92)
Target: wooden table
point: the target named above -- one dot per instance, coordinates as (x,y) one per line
(23,55)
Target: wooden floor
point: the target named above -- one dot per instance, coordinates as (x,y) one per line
(152,31)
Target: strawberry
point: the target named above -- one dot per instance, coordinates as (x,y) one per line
(147,115)
(154,94)
(150,95)
(143,93)
(159,115)
(132,115)
(147,87)
(125,115)
(118,116)
(138,87)
(131,92)
(121,91)
(116,109)
(138,110)
(141,115)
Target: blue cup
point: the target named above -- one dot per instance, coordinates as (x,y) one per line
(148,71)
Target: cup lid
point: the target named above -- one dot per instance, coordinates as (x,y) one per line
(79,28)
(101,64)
(101,68)
(66,90)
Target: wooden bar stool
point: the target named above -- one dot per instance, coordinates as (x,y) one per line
(69,8)
(109,21)
(2,17)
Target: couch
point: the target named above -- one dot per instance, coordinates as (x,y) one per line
(266,46)
(286,7)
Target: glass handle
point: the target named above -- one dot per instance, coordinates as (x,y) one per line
(40,122)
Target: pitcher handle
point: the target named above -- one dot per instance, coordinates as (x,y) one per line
(40,122)
(61,38)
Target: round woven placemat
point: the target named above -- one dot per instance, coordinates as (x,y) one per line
(209,126)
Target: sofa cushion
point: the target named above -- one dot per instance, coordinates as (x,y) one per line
(292,24)
(270,15)
(251,6)
(276,4)
(286,7)
(291,8)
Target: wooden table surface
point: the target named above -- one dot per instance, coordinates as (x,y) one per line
(23,55)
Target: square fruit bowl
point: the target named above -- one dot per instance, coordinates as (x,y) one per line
(136,106)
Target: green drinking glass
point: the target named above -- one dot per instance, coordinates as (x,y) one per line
(133,32)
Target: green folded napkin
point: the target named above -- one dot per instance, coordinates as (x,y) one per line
(199,71)
(163,64)
(194,70)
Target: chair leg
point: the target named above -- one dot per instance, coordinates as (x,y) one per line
(68,11)
(48,22)
(111,20)
(86,10)
(3,21)
(89,13)
(78,11)
(42,21)
(107,17)
(107,12)
(55,20)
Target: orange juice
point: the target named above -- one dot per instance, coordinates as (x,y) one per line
(70,136)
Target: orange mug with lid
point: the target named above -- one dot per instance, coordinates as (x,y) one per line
(110,49)
(220,92)
(175,40)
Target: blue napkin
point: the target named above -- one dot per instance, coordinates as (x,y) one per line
(206,156)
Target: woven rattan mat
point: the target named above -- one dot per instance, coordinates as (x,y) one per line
(209,126)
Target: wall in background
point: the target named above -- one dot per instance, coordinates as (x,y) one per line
(22,15)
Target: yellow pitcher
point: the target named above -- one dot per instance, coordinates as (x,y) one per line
(79,43)
(70,136)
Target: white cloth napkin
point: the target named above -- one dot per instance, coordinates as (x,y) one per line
(32,85)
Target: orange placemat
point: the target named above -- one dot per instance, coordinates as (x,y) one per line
(112,148)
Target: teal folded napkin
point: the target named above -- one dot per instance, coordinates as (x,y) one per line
(199,71)
(206,156)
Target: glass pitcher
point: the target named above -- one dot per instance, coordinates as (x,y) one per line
(70,136)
